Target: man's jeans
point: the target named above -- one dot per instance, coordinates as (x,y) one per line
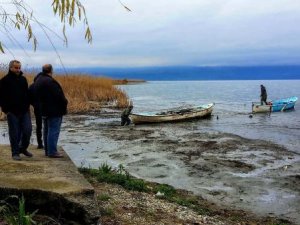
(51,131)
(19,130)
(38,122)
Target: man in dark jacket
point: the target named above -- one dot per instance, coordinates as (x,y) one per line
(37,113)
(14,100)
(263,95)
(53,105)
(125,115)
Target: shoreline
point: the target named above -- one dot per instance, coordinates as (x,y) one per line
(170,153)
(253,175)
(144,207)
(116,204)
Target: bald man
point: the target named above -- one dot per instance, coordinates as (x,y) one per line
(53,105)
(14,100)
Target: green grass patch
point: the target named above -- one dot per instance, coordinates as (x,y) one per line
(107,211)
(103,197)
(167,190)
(16,215)
(106,173)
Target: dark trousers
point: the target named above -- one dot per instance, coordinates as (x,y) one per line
(38,122)
(125,120)
(263,99)
(19,130)
(51,134)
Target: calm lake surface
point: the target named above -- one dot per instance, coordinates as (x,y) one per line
(233,100)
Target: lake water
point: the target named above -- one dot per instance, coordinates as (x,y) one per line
(233,100)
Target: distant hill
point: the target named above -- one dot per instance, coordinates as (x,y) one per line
(196,73)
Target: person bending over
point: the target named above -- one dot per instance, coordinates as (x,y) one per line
(125,116)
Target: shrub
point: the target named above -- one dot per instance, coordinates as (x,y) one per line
(103,197)
(168,190)
(106,173)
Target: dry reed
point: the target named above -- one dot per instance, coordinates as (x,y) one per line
(86,93)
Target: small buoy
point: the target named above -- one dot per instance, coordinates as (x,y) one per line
(250,116)
(217,117)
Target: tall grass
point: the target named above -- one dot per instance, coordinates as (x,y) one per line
(86,93)
(16,216)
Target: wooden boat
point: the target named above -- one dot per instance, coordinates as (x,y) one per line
(173,115)
(275,106)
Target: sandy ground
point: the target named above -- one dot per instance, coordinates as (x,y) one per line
(252,175)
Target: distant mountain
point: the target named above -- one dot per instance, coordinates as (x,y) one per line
(196,73)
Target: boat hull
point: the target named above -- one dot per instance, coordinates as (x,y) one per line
(276,106)
(197,112)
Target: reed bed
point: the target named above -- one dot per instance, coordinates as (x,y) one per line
(86,93)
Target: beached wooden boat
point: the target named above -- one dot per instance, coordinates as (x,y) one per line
(173,115)
(275,106)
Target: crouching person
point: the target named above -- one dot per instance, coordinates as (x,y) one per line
(125,116)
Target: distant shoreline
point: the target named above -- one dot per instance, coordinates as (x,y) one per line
(174,73)
(128,81)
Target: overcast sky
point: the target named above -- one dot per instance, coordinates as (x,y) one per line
(170,32)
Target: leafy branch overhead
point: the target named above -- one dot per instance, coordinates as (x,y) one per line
(18,15)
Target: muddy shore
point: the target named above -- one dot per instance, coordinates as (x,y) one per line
(234,172)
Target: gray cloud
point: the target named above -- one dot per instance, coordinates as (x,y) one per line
(178,32)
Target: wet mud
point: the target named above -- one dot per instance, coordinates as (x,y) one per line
(258,176)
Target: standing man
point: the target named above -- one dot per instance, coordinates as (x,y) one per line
(263,95)
(53,105)
(37,114)
(14,100)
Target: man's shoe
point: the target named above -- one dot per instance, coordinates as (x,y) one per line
(56,155)
(16,157)
(27,153)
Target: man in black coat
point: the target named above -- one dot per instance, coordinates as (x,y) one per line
(14,101)
(263,95)
(53,105)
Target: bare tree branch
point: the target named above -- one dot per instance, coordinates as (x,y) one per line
(23,18)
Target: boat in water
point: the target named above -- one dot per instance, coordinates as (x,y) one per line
(275,106)
(173,115)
